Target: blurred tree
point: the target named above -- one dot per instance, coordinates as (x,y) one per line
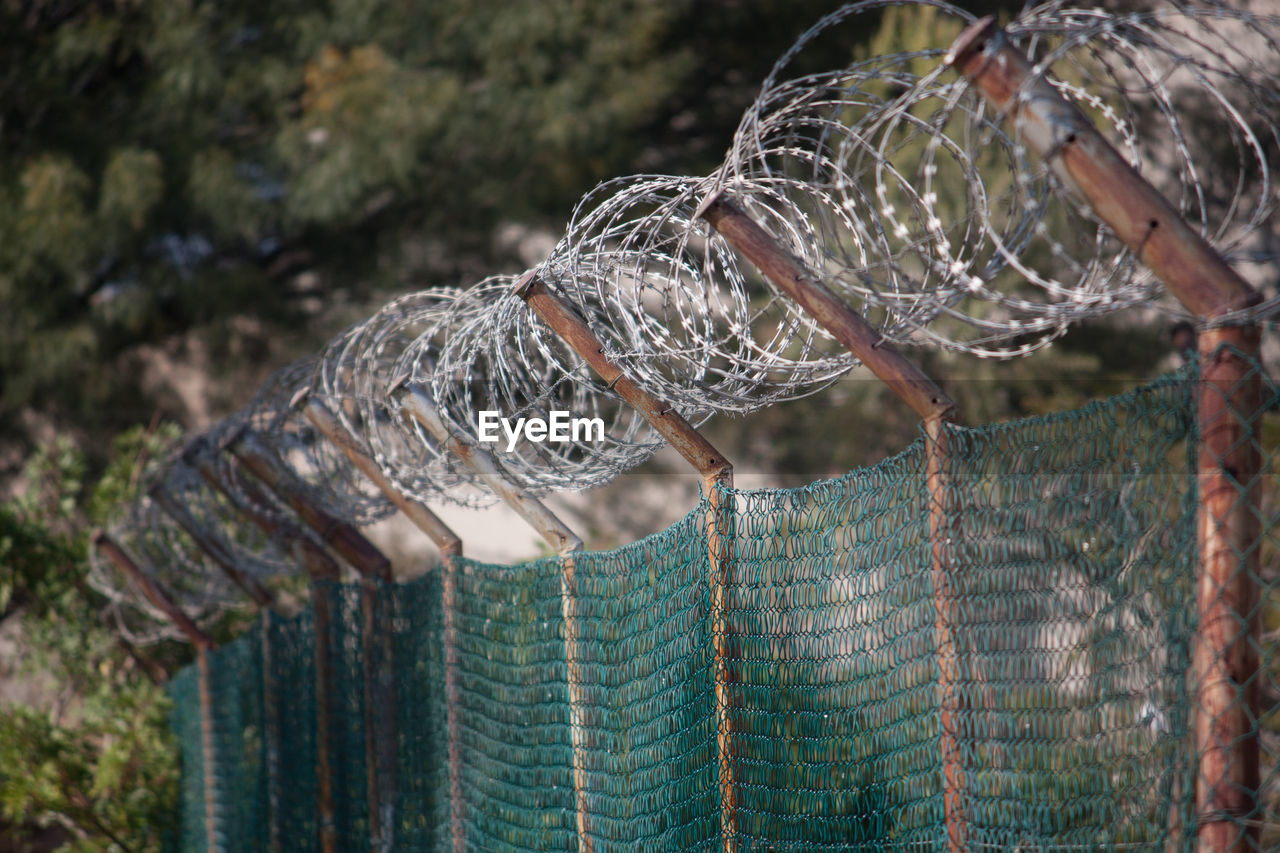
(96,758)
(166,166)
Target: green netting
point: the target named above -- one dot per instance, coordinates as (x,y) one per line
(291,685)
(184,721)
(1069,556)
(422,819)
(241,799)
(239,744)
(1069,545)
(348,724)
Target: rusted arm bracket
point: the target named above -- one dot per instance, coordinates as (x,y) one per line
(212,547)
(924,397)
(920,392)
(1132,208)
(670,424)
(557,534)
(154,593)
(422,517)
(373,566)
(204,644)
(265,601)
(319,566)
(928,401)
(787,273)
(314,560)
(339,535)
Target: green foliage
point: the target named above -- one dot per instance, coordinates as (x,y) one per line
(99,760)
(132,184)
(167,165)
(33,562)
(118,482)
(109,775)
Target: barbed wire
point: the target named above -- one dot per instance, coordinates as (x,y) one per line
(889,179)
(160,529)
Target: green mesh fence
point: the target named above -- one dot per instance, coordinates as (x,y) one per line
(1070,547)
(290,683)
(184,721)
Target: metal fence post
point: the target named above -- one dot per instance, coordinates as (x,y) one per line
(566,543)
(1225,660)
(716,472)
(930,403)
(951,704)
(374,569)
(266,605)
(320,567)
(450,549)
(203,644)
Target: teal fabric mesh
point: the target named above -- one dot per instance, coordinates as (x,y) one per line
(184,721)
(421,717)
(517,785)
(833,619)
(648,691)
(347,721)
(1074,555)
(1069,543)
(292,684)
(239,744)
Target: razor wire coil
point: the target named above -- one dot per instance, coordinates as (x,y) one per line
(889,179)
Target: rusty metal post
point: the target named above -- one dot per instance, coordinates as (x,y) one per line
(320,567)
(566,543)
(716,471)
(203,644)
(266,605)
(258,459)
(421,516)
(1224,660)
(950,705)
(450,549)
(375,570)
(208,750)
(928,401)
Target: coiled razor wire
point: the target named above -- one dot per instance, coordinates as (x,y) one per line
(162,542)
(677,309)
(890,179)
